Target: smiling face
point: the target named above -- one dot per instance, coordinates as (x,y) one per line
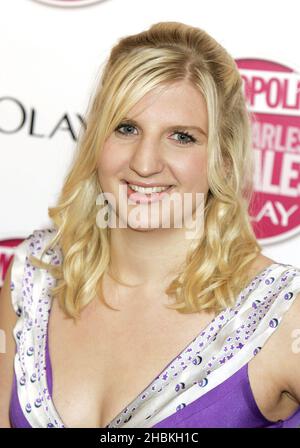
(161,141)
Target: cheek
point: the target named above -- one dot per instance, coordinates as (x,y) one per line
(110,161)
(192,172)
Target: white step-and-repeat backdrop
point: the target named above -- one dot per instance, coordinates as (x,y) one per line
(52,53)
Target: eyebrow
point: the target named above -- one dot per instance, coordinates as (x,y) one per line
(179,126)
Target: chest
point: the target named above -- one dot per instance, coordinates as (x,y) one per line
(104,361)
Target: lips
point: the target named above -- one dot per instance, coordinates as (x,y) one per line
(149,194)
(146,198)
(149,184)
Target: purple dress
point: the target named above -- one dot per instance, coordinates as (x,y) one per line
(205,386)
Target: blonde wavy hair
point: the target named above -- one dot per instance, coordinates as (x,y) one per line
(217,266)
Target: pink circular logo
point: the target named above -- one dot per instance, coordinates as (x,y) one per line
(69,3)
(6,253)
(272,92)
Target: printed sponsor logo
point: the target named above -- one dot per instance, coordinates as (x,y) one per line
(7,249)
(272,91)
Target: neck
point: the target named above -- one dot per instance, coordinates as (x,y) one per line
(147,258)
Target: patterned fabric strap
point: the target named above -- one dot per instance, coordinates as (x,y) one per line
(32,302)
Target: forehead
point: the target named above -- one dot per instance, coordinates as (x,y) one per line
(177,103)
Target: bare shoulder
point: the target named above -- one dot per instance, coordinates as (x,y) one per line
(283,348)
(261,262)
(274,372)
(288,336)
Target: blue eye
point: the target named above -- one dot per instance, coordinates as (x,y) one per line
(124,125)
(185,134)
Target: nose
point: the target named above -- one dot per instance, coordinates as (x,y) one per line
(146,158)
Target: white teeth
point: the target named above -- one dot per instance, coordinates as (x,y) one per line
(147,190)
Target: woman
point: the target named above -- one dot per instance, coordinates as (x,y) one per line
(138,325)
